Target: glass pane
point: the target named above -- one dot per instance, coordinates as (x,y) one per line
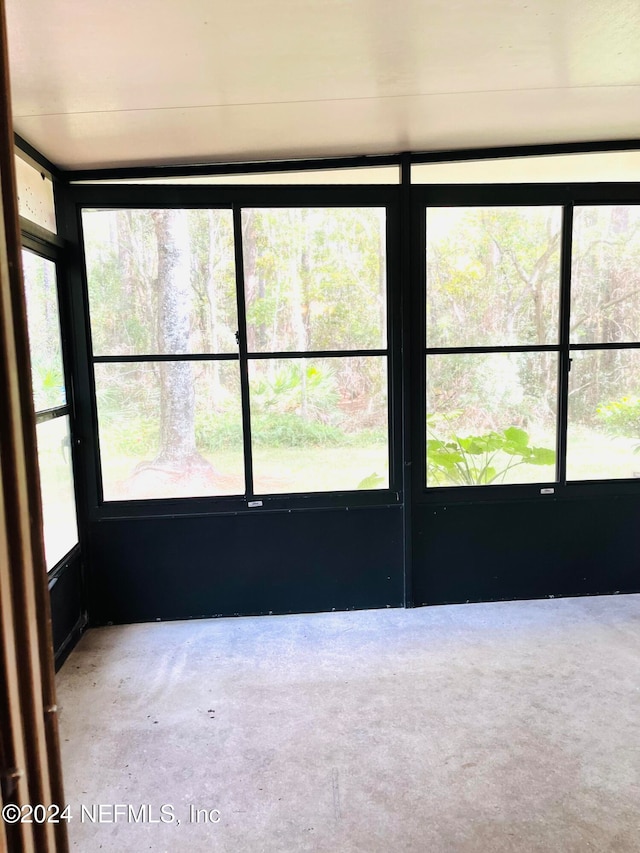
(47,373)
(319,425)
(491,418)
(315,279)
(362,175)
(35,195)
(56,481)
(161,281)
(605,280)
(170,429)
(603,438)
(556,168)
(493,276)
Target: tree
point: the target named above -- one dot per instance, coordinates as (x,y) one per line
(493,279)
(177,393)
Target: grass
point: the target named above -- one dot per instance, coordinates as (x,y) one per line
(318,469)
(277,470)
(595,455)
(280,470)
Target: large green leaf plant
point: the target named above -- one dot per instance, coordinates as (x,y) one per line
(478,460)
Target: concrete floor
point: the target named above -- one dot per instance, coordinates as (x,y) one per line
(475,729)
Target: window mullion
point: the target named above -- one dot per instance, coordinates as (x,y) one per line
(564,364)
(242,348)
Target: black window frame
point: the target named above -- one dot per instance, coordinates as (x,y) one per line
(74,198)
(567,196)
(50,247)
(406,274)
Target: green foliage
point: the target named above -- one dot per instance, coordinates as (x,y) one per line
(271,429)
(296,387)
(289,430)
(621,417)
(314,277)
(478,460)
(373,481)
(48,384)
(122,422)
(492,275)
(218,431)
(132,436)
(367,437)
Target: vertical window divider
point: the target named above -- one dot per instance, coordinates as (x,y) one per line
(242,349)
(564,364)
(403,378)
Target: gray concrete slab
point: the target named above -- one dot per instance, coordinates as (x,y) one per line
(476,728)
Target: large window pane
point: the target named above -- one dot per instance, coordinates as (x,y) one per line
(491,418)
(319,425)
(161,281)
(604,415)
(493,276)
(56,479)
(170,429)
(605,282)
(47,373)
(315,279)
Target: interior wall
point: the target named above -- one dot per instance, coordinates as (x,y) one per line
(68,606)
(291,562)
(517,550)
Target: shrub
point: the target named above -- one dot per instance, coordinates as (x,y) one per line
(289,430)
(218,431)
(621,417)
(284,393)
(273,429)
(133,437)
(479,460)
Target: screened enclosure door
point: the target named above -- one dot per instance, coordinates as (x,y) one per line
(489,423)
(526,340)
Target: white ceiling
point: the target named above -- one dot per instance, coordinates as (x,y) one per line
(99,83)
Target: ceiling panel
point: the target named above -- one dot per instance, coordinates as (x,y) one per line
(150,81)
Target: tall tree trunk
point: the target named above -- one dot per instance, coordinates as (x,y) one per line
(177,393)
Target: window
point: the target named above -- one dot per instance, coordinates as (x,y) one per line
(243,350)
(604,387)
(162,302)
(315,286)
(493,343)
(51,406)
(214,380)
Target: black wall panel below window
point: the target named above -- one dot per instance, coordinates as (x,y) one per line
(186,567)
(497,551)
(67,609)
